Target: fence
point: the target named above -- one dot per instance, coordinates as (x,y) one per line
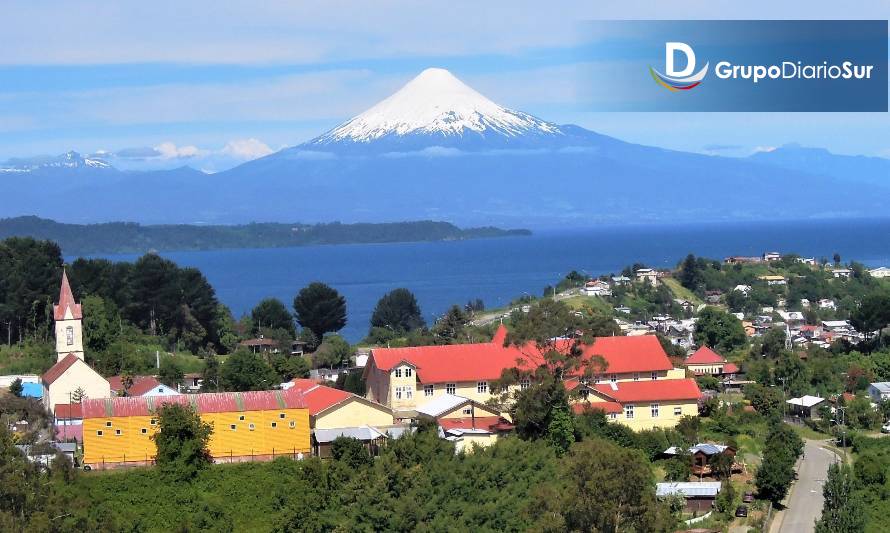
(125,461)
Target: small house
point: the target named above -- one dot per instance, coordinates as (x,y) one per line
(699,496)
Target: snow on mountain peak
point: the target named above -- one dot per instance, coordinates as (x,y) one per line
(436,102)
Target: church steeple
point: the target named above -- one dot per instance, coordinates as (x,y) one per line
(68,315)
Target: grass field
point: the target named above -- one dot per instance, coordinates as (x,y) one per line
(681,291)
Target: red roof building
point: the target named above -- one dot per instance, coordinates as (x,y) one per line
(216,402)
(68,411)
(331,408)
(704,356)
(56,371)
(141,386)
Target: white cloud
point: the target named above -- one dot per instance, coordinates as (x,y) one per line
(246,149)
(168,150)
(759,149)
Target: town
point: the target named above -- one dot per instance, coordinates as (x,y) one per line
(715,377)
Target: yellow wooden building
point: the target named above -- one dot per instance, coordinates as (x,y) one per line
(247,426)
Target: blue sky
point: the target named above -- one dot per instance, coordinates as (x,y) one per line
(214,83)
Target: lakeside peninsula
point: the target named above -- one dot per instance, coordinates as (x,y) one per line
(131,237)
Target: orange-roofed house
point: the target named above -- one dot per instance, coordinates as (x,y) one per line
(247,426)
(706,361)
(408,378)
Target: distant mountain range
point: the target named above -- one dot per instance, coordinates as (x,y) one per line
(439,150)
(128,237)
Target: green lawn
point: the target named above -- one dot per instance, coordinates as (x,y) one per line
(681,291)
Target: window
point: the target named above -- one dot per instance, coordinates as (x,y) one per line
(585,394)
(654,409)
(613,416)
(274,424)
(108,424)
(450,388)
(398,393)
(118,432)
(292,424)
(628,411)
(251,427)
(428,390)
(482,387)
(636,376)
(153,421)
(468,411)
(409,393)
(98,432)
(613,378)
(69,335)
(583,380)
(678,411)
(241,418)
(143,431)
(232,427)
(524,384)
(409,372)
(280,415)
(596,378)
(654,376)
(398,372)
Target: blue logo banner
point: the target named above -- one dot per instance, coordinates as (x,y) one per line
(735,65)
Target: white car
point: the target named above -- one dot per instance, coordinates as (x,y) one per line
(885,428)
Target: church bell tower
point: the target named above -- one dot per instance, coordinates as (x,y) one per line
(69,323)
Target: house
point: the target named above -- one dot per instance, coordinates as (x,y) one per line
(713,297)
(805,303)
(836,326)
(260,345)
(639,404)
(880,272)
(744,289)
(740,260)
(647,275)
(702,456)
(620,280)
(879,391)
(465,422)
(597,288)
(699,496)
(792,318)
(71,379)
(772,256)
(803,406)
(772,279)
(809,261)
(406,378)
(334,409)
(68,422)
(844,273)
(827,304)
(686,305)
(707,361)
(142,386)
(623,310)
(247,426)
(31,387)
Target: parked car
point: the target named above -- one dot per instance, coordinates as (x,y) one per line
(741,511)
(885,428)
(748,497)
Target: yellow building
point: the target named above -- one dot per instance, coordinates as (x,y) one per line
(407,379)
(639,404)
(465,422)
(246,426)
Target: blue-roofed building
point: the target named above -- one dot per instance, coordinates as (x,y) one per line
(32,390)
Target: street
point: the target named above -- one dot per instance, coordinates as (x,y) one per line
(805,503)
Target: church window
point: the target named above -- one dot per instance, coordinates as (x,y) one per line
(69,335)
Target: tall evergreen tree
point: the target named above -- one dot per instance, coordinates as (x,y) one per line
(320,308)
(398,310)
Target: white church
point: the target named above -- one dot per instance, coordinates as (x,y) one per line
(70,380)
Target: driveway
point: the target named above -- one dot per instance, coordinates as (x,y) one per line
(805,502)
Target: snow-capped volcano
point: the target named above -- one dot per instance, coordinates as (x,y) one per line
(440,107)
(71,160)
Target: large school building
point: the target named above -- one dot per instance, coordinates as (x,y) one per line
(247,426)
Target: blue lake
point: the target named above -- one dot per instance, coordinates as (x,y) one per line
(499,270)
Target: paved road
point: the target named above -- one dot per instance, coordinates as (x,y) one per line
(805,503)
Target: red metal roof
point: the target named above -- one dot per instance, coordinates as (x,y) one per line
(141,384)
(68,410)
(489,423)
(56,371)
(730,368)
(704,356)
(66,301)
(650,391)
(486,361)
(319,397)
(606,407)
(216,402)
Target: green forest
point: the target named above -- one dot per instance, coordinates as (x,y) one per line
(130,237)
